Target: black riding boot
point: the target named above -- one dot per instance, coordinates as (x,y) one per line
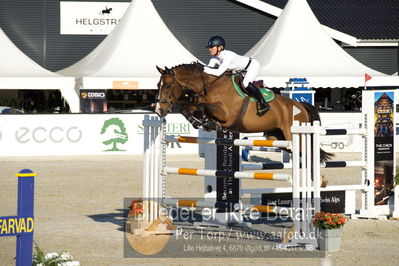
(255,92)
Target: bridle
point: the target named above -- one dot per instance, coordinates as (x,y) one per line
(184,87)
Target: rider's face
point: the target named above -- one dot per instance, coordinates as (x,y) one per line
(213,51)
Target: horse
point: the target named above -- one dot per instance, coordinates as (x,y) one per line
(206,96)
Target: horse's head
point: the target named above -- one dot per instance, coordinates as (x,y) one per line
(168,91)
(173,83)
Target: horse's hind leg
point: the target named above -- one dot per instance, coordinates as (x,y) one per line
(286,130)
(276,134)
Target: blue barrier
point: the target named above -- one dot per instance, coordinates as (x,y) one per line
(22,225)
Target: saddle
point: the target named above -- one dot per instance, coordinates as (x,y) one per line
(237,80)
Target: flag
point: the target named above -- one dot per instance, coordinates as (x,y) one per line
(367,77)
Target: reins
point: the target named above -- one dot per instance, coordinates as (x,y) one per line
(185,87)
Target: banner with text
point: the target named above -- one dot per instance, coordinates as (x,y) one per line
(85,134)
(90,18)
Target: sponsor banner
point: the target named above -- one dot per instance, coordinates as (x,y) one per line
(85,134)
(384,133)
(90,18)
(228,188)
(331,201)
(125,85)
(93,101)
(300,94)
(80,134)
(16,225)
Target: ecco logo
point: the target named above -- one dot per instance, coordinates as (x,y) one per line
(55,134)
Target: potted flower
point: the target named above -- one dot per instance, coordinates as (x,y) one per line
(136,209)
(329,227)
(135,215)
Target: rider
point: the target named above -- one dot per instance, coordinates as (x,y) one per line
(223,60)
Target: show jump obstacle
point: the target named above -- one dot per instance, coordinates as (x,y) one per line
(22,225)
(304,177)
(377,163)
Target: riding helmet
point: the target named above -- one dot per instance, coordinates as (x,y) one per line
(216,41)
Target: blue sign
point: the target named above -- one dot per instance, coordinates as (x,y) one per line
(22,225)
(303,97)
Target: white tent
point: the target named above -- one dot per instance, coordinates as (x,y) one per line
(128,56)
(18,71)
(297,45)
(275,11)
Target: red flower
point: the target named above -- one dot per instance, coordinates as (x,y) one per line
(136,208)
(328,220)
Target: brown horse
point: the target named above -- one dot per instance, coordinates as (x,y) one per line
(216,97)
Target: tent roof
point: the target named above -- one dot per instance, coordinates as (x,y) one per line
(365,19)
(131,51)
(275,11)
(18,71)
(298,46)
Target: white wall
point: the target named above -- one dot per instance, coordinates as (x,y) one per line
(81,134)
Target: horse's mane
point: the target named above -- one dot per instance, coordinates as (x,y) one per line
(197,65)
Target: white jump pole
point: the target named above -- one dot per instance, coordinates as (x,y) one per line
(295,180)
(153,183)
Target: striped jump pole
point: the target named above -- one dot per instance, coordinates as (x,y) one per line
(280,165)
(228,142)
(222,173)
(246,151)
(330,132)
(236,207)
(266,166)
(265,149)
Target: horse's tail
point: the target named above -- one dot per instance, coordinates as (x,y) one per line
(315,116)
(312,112)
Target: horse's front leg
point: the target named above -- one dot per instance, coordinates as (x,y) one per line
(194,121)
(189,112)
(208,123)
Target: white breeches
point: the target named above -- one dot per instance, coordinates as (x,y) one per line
(252,72)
